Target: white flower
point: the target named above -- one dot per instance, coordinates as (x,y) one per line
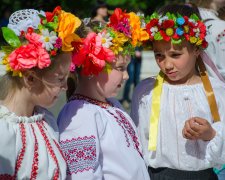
(161,19)
(197,32)
(48,39)
(154,30)
(106,39)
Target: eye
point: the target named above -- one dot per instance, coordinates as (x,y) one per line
(121,68)
(176,55)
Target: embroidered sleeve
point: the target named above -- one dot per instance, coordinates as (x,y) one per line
(80,154)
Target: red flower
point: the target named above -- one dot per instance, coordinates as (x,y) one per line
(92,56)
(168,24)
(185,19)
(204,44)
(152,23)
(165,37)
(50,15)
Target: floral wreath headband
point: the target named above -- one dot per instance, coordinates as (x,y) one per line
(177,28)
(120,35)
(34,38)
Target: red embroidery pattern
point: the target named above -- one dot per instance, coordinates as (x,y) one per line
(80,154)
(35,158)
(222,34)
(22,151)
(127,128)
(7,177)
(60,150)
(90,100)
(49,147)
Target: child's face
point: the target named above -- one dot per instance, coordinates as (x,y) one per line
(110,84)
(53,81)
(177,62)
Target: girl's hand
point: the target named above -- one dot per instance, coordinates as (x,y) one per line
(198,128)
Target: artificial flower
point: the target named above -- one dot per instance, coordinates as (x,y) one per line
(92,57)
(68,23)
(29,56)
(48,39)
(105,38)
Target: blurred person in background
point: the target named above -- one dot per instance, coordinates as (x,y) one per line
(100,12)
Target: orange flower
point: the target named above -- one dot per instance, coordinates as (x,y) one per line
(68,23)
(138,34)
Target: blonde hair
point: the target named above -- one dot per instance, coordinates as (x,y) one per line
(203,3)
(9,84)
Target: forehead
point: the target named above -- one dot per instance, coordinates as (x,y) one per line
(169,46)
(120,60)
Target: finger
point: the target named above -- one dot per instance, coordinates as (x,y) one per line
(187,135)
(190,130)
(195,126)
(200,121)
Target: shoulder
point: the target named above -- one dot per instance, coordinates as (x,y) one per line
(144,87)
(80,114)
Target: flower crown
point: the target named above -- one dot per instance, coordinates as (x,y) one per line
(35,37)
(177,28)
(121,35)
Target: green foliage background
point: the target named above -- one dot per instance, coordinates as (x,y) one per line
(83,8)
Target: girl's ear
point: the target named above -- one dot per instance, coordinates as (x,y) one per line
(30,79)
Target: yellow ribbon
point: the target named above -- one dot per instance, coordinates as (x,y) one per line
(156,98)
(155,112)
(209,91)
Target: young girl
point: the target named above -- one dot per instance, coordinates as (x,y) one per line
(97,137)
(180,114)
(37,60)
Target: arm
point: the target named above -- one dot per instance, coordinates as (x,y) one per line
(80,142)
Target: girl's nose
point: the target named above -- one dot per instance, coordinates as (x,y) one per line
(125,76)
(168,65)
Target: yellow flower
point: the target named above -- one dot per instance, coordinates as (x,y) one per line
(68,23)
(186,29)
(199,42)
(118,42)
(193,39)
(138,34)
(169,31)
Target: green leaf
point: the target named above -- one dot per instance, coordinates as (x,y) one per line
(195,17)
(158,36)
(10,37)
(154,16)
(7,49)
(176,41)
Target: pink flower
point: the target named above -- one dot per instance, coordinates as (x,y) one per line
(34,38)
(58,43)
(29,56)
(92,57)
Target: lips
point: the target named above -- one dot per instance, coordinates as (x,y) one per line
(171,74)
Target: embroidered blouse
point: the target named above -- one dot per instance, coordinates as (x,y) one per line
(99,141)
(29,146)
(178,104)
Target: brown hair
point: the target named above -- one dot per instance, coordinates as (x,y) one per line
(182,9)
(9,83)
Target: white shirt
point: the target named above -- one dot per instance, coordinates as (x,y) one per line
(100,142)
(216,39)
(29,146)
(178,104)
